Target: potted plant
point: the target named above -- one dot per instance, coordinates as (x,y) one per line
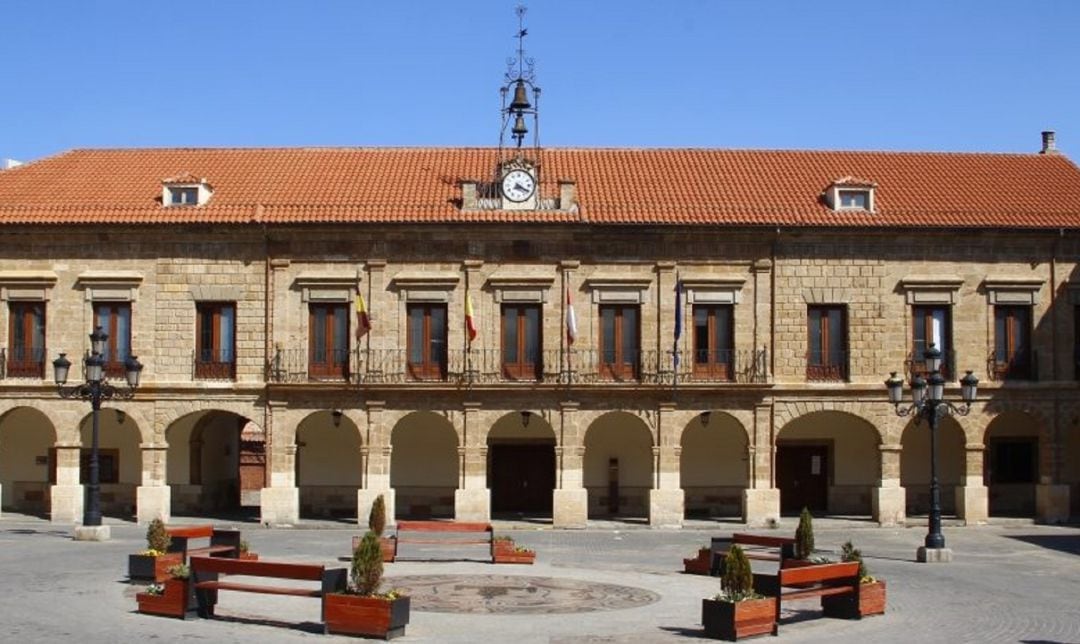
(245,551)
(515,554)
(153,563)
(700,564)
(501,546)
(171,597)
(870,600)
(362,609)
(738,611)
(377,523)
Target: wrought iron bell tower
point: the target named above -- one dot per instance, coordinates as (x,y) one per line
(518,164)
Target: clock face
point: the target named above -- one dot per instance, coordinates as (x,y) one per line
(518,185)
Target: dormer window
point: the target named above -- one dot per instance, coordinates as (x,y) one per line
(849,193)
(185,190)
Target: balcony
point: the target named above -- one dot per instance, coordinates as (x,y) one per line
(1019,367)
(486,366)
(916,366)
(208,366)
(22,362)
(830,368)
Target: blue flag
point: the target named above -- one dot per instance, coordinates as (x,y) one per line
(678,309)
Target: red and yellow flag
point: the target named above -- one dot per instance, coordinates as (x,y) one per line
(363,322)
(470,321)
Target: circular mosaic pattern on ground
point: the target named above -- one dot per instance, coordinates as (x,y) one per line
(514,594)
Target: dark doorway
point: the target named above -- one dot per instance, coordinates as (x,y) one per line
(802,474)
(522,478)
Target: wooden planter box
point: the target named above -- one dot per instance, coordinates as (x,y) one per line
(366,616)
(869,601)
(174,602)
(248,556)
(505,551)
(735,620)
(699,565)
(147,568)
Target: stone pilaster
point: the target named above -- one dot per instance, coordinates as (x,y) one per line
(570,502)
(375,457)
(763,304)
(1052,503)
(472,499)
(666,500)
(153,498)
(67,496)
(972,498)
(761,501)
(889,497)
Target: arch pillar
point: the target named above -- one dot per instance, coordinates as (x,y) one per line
(570,502)
(472,499)
(973,497)
(280,503)
(666,499)
(153,498)
(375,457)
(66,497)
(1051,496)
(889,497)
(761,501)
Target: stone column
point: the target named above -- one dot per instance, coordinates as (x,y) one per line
(472,499)
(972,498)
(763,306)
(280,503)
(153,499)
(1051,498)
(889,498)
(570,502)
(761,501)
(376,456)
(666,499)
(67,496)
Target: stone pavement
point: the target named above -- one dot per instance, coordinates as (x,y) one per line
(1008,583)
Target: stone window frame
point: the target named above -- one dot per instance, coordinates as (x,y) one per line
(1013,290)
(317,287)
(425,287)
(182,184)
(617,289)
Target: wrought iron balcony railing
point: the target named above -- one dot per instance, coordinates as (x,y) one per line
(1021,366)
(211,365)
(24,362)
(832,367)
(915,365)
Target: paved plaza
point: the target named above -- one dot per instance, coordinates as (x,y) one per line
(1009,582)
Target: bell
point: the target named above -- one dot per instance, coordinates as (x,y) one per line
(519,129)
(521,99)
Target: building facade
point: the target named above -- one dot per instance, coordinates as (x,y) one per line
(648,335)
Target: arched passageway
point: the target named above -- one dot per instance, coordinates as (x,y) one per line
(27,461)
(713,466)
(521,465)
(329,466)
(204,464)
(1011,466)
(424,466)
(119,460)
(618,466)
(915,465)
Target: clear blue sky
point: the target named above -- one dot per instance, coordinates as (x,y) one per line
(970,75)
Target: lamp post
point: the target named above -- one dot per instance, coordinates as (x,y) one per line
(928,403)
(95,389)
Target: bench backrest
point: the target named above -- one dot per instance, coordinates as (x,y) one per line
(442,526)
(847,571)
(743,538)
(258,568)
(191,531)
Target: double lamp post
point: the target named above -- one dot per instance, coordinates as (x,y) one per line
(95,389)
(928,403)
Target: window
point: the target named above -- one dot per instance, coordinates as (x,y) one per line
(215,341)
(521,341)
(26,340)
(114,318)
(713,343)
(328,341)
(931,325)
(1012,341)
(183,196)
(858,199)
(427,341)
(827,331)
(620,341)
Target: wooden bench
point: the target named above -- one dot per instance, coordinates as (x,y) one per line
(479,534)
(818,580)
(205,573)
(755,546)
(223,543)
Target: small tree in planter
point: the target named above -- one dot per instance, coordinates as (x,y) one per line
(377,523)
(245,551)
(870,599)
(738,611)
(362,609)
(172,597)
(804,536)
(153,563)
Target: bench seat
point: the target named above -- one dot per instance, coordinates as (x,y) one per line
(206,572)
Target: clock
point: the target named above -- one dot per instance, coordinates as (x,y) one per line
(518,185)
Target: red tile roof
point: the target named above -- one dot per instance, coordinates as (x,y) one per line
(614,186)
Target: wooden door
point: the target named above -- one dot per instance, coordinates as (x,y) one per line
(522,478)
(802,475)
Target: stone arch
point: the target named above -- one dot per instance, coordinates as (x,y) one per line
(203,467)
(521,463)
(1016,455)
(828,460)
(329,465)
(714,465)
(619,465)
(120,461)
(425,465)
(915,464)
(27,435)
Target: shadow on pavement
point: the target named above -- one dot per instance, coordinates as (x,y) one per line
(1062,543)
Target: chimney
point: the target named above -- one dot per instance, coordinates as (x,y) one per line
(567,194)
(1048,144)
(468,195)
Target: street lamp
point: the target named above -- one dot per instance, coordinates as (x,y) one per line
(927,402)
(95,389)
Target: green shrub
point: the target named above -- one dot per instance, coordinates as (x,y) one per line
(157,539)
(738,579)
(367,566)
(377,517)
(804,536)
(848,552)
(179,571)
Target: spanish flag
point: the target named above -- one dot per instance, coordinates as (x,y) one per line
(363,322)
(470,321)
